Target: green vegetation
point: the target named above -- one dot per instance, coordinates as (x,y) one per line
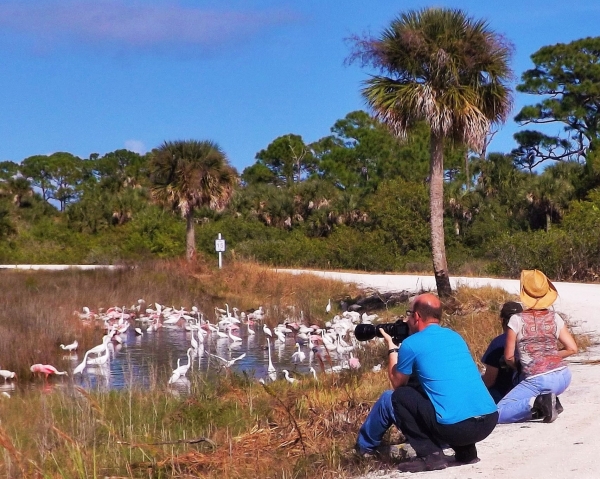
(360,197)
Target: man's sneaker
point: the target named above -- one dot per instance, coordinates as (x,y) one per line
(559,408)
(466,454)
(432,462)
(546,405)
(435,461)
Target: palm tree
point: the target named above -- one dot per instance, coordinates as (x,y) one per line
(449,70)
(191,174)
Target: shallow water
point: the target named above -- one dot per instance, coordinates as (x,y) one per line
(147,360)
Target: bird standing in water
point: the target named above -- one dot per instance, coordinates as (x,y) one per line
(70,347)
(288,378)
(47,370)
(6,374)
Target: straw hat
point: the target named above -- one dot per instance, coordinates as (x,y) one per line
(537,292)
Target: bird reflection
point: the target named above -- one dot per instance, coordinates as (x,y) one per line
(180,387)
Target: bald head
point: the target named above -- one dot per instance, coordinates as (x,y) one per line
(428,306)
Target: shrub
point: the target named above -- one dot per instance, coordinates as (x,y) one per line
(561,254)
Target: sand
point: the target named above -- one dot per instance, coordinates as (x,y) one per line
(567,448)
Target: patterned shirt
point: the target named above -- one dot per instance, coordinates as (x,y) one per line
(537,332)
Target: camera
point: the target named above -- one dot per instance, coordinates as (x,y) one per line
(398,331)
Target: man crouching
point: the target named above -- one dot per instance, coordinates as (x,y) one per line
(450,406)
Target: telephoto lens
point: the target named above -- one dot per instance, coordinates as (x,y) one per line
(364,332)
(398,331)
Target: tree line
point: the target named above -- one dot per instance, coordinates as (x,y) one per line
(373,194)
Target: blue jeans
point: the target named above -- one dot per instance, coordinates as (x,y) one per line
(379,420)
(516,405)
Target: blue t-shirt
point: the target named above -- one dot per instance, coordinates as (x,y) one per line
(441,360)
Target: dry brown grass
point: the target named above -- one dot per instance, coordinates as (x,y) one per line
(307,433)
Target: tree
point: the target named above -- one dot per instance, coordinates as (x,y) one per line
(57,176)
(362,151)
(449,70)
(288,159)
(120,169)
(550,193)
(190,174)
(399,210)
(566,76)
(37,169)
(65,177)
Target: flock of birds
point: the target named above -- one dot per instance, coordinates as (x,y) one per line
(321,346)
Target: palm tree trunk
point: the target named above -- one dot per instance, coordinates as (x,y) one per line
(190,236)
(436,211)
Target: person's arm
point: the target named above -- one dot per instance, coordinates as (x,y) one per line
(490,375)
(568,342)
(509,348)
(396,378)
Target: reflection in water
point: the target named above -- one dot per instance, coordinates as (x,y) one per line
(143,361)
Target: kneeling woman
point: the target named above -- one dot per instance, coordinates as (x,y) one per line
(533,334)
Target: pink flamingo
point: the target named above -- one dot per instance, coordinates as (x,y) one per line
(47,370)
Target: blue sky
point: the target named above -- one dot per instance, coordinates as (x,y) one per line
(95,76)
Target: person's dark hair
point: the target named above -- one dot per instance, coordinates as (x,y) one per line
(508,309)
(427,311)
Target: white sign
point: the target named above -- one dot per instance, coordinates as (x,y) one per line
(220,245)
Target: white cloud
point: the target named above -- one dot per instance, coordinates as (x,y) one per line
(133,25)
(136,146)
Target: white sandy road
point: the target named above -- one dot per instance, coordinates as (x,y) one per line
(567,448)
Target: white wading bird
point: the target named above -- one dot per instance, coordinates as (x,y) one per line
(288,378)
(70,347)
(6,374)
(180,371)
(227,363)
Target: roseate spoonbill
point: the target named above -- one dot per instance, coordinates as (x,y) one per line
(288,378)
(227,363)
(47,370)
(70,347)
(353,362)
(7,374)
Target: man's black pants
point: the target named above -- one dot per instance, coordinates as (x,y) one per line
(416,417)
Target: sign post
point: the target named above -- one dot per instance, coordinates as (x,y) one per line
(220,248)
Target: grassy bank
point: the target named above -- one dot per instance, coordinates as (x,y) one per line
(232,427)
